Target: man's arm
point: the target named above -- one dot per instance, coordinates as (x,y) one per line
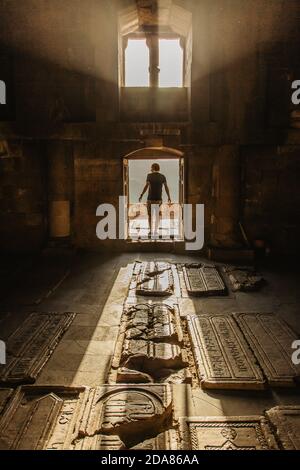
(144,190)
(168,192)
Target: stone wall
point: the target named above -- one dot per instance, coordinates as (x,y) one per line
(23,193)
(236,135)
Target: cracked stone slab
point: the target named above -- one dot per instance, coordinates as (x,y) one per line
(153,358)
(149,346)
(222,356)
(227,433)
(203,280)
(31,345)
(271,339)
(244,279)
(134,413)
(286,421)
(168,440)
(155,278)
(73,418)
(38,418)
(155,322)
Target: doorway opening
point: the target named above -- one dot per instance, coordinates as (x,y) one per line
(170,223)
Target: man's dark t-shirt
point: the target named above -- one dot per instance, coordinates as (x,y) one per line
(156,181)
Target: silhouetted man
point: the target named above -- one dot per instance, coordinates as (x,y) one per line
(155,182)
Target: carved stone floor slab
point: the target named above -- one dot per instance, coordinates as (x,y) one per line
(150,345)
(227,433)
(222,356)
(38,418)
(165,441)
(5,394)
(244,279)
(107,417)
(31,345)
(155,278)
(271,339)
(286,421)
(155,322)
(128,415)
(203,280)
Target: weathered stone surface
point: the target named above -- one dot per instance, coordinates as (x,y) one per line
(155,279)
(100,442)
(152,358)
(223,358)
(182,376)
(133,413)
(150,343)
(156,322)
(107,417)
(244,279)
(203,280)
(227,433)
(31,345)
(286,421)
(5,394)
(132,376)
(38,418)
(270,339)
(164,441)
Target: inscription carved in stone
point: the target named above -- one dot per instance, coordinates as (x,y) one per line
(107,417)
(270,338)
(155,279)
(35,413)
(149,347)
(203,280)
(223,358)
(227,433)
(31,345)
(286,421)
(125,416)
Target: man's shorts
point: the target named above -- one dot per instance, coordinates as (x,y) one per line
(150,204)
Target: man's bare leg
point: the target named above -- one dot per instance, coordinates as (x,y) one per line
(149,208)
(156,217)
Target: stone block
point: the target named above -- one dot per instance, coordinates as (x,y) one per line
(286,421)
(222,356)
(271,339)
(155,279)
(80,418)
(227,433)
(203,280)
(244,279)
(151,344)
(32,344)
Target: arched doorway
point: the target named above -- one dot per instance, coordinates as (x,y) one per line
(136,166)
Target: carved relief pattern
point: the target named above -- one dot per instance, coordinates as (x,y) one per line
(223,358)
(150,344)
(203,280)
(155,279)
(270,338)
(228,433)
(31,345)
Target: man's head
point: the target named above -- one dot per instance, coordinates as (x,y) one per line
(155,167)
